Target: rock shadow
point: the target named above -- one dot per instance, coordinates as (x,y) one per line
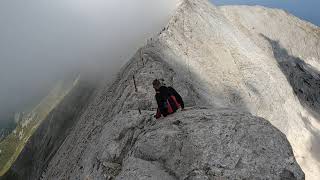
(304,79)
(305,82)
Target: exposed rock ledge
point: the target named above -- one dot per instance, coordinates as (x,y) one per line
(194,144)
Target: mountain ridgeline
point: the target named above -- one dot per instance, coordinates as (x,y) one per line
(251,84)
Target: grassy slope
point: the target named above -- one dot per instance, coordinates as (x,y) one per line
(12,145)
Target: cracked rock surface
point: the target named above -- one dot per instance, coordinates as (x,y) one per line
(207,144)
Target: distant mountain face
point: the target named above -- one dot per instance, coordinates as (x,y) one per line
(6,123)
(22,125)
(306,10)
(6,129)
(9,110)
(232,65)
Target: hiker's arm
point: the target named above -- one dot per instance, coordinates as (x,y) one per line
(160,102)
(178,97)
(158,114)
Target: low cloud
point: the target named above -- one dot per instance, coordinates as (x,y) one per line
(41,40)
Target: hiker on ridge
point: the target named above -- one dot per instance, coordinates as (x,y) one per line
(168,100)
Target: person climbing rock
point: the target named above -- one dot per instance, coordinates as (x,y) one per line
(168,99)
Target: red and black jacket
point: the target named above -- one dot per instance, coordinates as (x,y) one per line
(168,100)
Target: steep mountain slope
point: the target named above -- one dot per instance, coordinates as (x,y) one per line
(13,144)
(228,73)
(295,46)
(112,140)
(77,157)
(225,64)
(300,38)
(52,132)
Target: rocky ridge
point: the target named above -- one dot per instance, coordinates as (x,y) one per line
(200,143)
(229,72)
(253,58)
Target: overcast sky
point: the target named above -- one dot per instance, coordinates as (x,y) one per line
(305,9)
(40,40)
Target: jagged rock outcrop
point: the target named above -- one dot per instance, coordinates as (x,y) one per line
(195,144)
(235,72)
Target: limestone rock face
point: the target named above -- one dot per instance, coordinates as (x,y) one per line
(240,84)
(260,60)
(199,143)
(208,144)
(101,140)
